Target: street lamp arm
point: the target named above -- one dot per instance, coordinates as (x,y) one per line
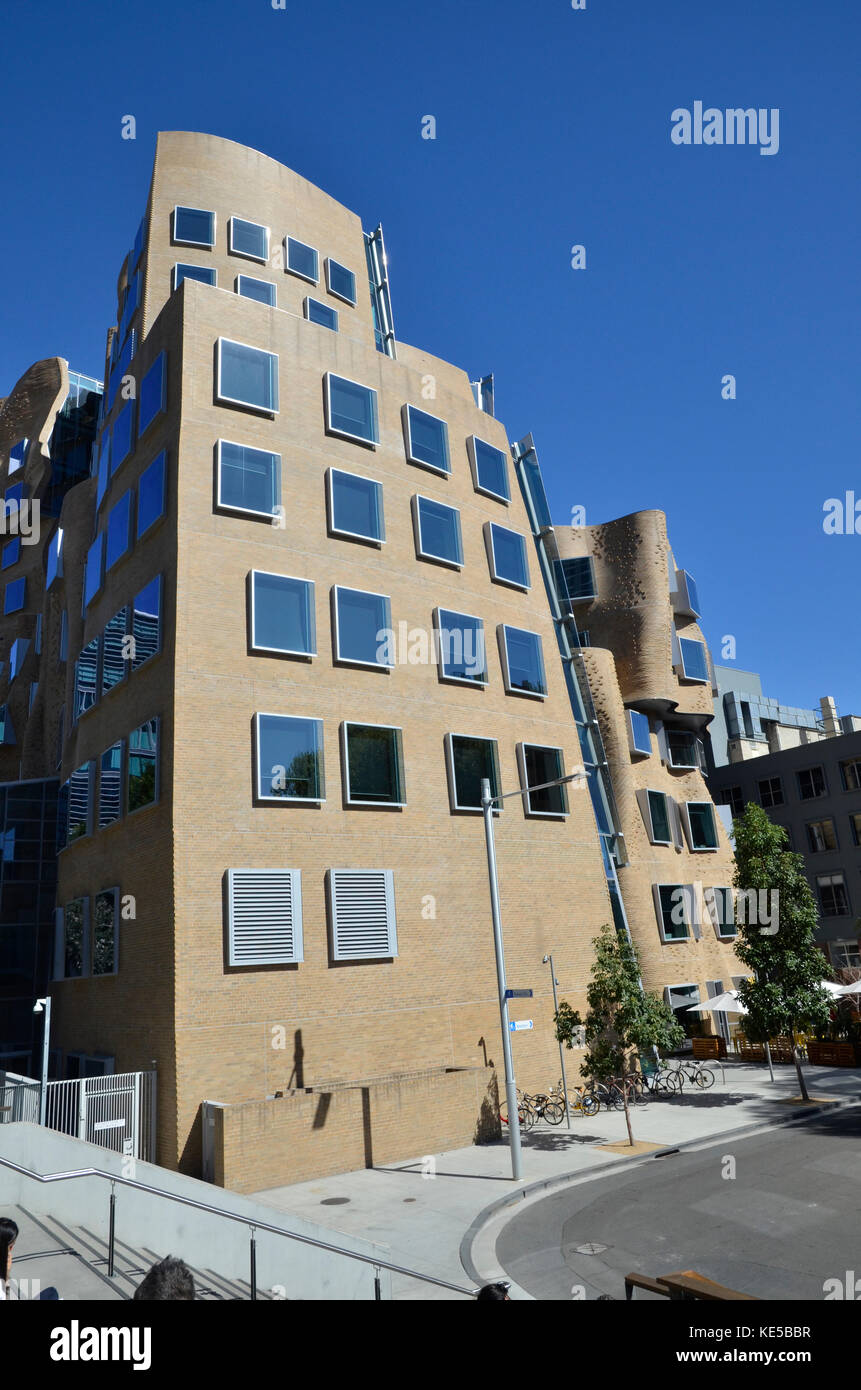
(542,786)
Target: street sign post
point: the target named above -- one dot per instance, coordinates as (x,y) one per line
(519,1025)
(518,994)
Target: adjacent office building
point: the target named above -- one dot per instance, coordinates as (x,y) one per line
(749,724)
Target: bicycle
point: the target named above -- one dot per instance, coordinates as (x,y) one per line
(526,1111)
(695,1071)
(547,1107)
(578,1099)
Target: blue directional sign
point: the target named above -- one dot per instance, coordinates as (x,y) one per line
(519,1025)
(518,994)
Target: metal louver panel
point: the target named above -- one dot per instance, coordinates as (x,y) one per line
(362,914)
(264,916)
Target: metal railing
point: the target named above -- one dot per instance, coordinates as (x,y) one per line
(253,1227)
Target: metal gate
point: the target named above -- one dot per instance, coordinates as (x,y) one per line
(19,1098)
(116,1111)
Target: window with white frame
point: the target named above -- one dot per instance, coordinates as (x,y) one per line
(462,652)
(248,287)
(693,661)
(351,410)
(720,903)
(471,760)
(182,271)
(289,758)
(248,239)
(372,756)
(489,469)
(675,905)
(539,765)
(317,312)
(656,811)
(193,227)
(426,440)
(522,661)
(355,506)
(506,551)
(340,281)
(247,480)
(437,532)
(700,825)
(301,260)
(362,624)
(281,611)
(639,737)
(246,376)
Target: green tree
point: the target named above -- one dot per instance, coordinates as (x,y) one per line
(775,939)
(621,1015)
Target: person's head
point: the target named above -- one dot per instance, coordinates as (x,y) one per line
(494,1293)
(168,1281)
(8,1236)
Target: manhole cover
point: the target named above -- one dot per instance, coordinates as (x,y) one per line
(590,1248)
(334,1201)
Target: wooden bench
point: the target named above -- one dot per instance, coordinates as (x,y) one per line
(688,1285)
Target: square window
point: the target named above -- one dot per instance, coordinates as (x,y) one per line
(248,480)
(694,661)
(146,623)
(302,260)
(153,394)
(850,774)
(14,596)
(470,760)
(105,932)
(638,733)
(340,281)
(522,661)
(658,824)
(537,766)
(93,573)
(315,312)
(11,553)
(119,531)
(461,646)
(702,827)
(193,227)
(261,290)
(489,469)
(437,532)
(675,910)
(833,898)
(204,273)
(734,798)
(351,410)
(122,436)
(248,239)
(373,765)
(289,753)
(142,770)
(506,552)
(426,440)
(86,686)
(355,506)
(246,376)
(578,575)
(54,563)
(811,783)
(362,627)
(113,656)
(151,494)
(770,792)
(282,614)
(821,836)
(684,749)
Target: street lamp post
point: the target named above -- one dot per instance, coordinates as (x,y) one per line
(561,1057)
(38,1007)
(487,804)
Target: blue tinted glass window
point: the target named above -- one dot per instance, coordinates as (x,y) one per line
(110,785)
(316,312)
(524,661)
(462,654)
(113,656)
(7,733)
(249,239)
(18,455)
(356,506)
(694,662)
(142,770)
(352,409)
(490,469)
(15,494)
(118,534)
(17,652)
(152,394)
(289,758)
(80,785)
(93,571)
(282,614)
(247,376)
(509,556)
(54,561)
(701,819)
(123,434)
(140,243)
(302,260)
(693,593)
(104,466)
(640,731)
(194,226)
(151,494)
(261,290)
(579,577)
(341,281)
(13,597)
(362,622)
(11,553)
(427,440)
(146,623)
(438,528)
(249,480)
(85,691)
(206,274)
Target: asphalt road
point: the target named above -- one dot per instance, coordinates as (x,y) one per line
(788,1220)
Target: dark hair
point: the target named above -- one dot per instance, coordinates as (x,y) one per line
(494,1293)
(169,1281)
(8,1236)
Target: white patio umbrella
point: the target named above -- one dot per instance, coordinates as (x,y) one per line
(832,989)
(726,1003)
(853,988)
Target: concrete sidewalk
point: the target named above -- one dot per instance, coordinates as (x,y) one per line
(422,1209)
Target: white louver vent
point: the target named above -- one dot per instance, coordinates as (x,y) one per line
(362,914)
(264,916)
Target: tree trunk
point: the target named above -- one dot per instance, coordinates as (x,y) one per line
(625,1100)
(796,1052)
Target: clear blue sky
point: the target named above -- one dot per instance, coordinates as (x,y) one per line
(553,128)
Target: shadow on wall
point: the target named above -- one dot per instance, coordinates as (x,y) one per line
(488,1126)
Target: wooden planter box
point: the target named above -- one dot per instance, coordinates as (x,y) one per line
(709,1048)
(831,1054)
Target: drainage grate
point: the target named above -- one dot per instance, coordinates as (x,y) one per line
(590,1248)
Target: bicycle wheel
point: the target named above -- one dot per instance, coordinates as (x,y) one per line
(614,1100)
(705,1078)
(527,1117)
(589,1103)
(554,1112)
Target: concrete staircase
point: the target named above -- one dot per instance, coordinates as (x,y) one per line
(75,1261)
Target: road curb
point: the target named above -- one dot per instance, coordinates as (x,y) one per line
(516,1198)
